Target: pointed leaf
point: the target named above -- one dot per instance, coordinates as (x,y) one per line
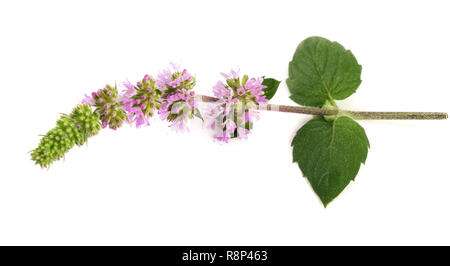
(272,86)
(329,153)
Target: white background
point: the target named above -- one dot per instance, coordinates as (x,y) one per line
(154,187)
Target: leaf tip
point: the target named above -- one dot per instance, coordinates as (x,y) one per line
(325,201)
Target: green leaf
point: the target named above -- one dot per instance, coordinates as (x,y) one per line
(272,86)
(322,70)
(329,153)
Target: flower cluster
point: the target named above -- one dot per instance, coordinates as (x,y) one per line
(179,101)
(69,130)
(141,101)
(233,114)
(171,94)
(108,106)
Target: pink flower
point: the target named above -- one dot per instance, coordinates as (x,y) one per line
(233,114)
(233,74)
(139,101)
(184,94)
(140,119)
(190,102)
(164,111)
(222,137)
(163,79)
(110,111)
(178,105)
(88,100)
(242,132)
(262,99)
(220,90)
(127,84)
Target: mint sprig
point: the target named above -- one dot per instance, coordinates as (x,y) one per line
(329,149)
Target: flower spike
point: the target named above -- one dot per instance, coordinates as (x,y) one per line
(141,101)
(234,112)
(178,97)
(71,129)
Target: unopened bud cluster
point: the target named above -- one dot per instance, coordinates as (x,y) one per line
(70,130)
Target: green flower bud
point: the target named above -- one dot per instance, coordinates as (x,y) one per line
(69,130)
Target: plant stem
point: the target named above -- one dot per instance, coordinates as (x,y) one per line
(396,115)
(359,115)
